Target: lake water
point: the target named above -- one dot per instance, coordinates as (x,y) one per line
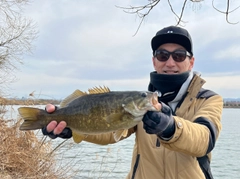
(91,161)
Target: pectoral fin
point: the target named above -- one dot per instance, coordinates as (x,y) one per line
(120,133)
(77,138)
(114,117)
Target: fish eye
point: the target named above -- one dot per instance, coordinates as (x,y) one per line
(144,95)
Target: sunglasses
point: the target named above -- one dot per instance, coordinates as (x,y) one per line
(177,55)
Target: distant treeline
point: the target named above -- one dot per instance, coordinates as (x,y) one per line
(231,104)
(4,101)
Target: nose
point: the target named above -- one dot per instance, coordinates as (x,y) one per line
(170,62)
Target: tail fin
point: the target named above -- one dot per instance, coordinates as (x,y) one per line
(30,116)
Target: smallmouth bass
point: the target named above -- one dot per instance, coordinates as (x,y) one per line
(98,111)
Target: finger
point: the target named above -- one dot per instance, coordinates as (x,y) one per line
(166,109)
(145,117)
(149,123)
(158,106)
(150,131)
(149,119)
(60,127)
(51,126)
(50,108)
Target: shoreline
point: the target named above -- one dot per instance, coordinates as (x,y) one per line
(4,101)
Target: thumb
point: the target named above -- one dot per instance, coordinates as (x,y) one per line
(158,106)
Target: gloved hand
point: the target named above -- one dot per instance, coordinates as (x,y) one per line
(160,123)
(65,134)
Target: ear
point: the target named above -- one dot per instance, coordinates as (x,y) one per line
(154,62)
(192,60)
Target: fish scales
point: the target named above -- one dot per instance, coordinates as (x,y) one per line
(94,115)
(90,114)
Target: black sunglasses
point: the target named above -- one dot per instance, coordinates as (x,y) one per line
(177,55)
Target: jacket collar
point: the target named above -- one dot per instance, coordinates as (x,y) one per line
(192,91)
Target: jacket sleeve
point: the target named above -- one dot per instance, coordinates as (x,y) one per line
(106,138)
(197,130)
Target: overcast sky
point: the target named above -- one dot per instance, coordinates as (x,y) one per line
(82,44)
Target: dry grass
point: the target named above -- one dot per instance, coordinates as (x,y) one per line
(28,155)
(24,156)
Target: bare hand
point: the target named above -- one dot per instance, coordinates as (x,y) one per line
(57,128)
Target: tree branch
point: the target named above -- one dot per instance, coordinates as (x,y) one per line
(138,10)
(227,12)
(144,10)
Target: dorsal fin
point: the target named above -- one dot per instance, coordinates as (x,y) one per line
(76,94)
(97,90)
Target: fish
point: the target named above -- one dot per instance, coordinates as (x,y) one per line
(94,112)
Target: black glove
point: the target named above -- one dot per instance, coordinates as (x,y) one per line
(65,134)
(160,123)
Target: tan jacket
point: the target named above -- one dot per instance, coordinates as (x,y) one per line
(177,158)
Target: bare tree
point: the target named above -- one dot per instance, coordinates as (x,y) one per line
(144,10)
(16,36)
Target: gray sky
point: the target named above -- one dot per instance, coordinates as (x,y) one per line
(83,44)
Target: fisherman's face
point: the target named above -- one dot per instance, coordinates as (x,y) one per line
(170,66)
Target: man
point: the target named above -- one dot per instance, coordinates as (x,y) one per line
(175,143)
